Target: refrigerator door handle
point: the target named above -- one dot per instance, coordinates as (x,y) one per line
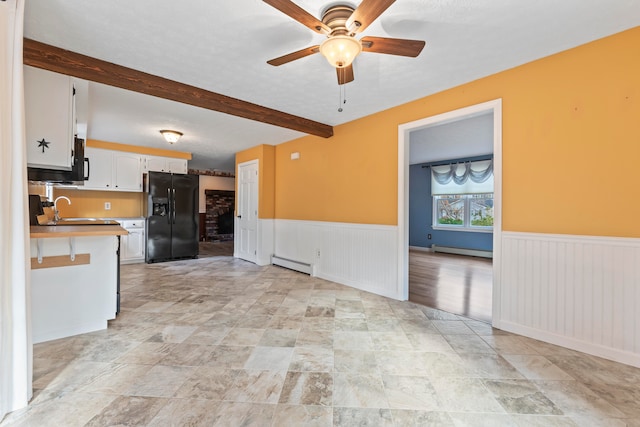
(169,205)
(174,205)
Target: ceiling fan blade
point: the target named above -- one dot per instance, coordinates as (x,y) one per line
(296,12)
(400,47)
(366,13)
(294,55)
(345,75)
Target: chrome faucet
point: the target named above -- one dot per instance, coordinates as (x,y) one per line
(56,213)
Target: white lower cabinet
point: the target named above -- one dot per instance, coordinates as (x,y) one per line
(133,244)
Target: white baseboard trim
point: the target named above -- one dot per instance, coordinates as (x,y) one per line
(358,285)
(420,249)
(616,355)
(462,251)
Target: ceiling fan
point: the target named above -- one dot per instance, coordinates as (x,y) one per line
(340,23)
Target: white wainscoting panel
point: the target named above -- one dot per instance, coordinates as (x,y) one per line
(265,241)
(580,292)
(359,255)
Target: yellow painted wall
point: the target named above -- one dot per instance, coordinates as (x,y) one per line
(90,204)
(265,154)
(571,147)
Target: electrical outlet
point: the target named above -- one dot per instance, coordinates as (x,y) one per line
(429,236)
(318,253)
(107,206)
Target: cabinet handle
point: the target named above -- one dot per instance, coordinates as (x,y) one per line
(88,174)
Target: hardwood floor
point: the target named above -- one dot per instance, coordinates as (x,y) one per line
(454,283)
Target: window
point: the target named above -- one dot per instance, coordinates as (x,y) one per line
(463,196)
(468,212)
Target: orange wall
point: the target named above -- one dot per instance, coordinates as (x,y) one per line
(89,204)
(265,154)
(571,144)
(350,177)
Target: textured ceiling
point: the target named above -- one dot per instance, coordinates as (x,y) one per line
(223,46)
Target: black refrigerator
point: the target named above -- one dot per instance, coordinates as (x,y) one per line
(172,216)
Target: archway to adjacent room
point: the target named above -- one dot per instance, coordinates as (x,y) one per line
(482,267)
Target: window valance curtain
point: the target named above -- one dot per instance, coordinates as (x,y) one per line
(462,178)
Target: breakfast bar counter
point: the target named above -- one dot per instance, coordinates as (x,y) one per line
(54,231)
(74,279)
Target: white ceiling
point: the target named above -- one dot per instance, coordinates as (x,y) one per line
(223,46)
(468,137)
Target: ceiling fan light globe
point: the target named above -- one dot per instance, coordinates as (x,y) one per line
(340,51)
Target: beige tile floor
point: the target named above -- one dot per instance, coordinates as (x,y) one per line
(221,342)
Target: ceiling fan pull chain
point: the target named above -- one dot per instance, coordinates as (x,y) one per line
(343,97)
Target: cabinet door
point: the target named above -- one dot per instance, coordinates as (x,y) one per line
(177,165)
(127,171)
(133,245)
(100,169)
(156,164)
(48,119)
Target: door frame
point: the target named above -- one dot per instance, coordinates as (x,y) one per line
(236,224)
(404,140)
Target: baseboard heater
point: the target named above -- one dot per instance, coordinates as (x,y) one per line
(291,264)
(462,251)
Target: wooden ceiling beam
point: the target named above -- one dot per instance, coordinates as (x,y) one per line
(40,55)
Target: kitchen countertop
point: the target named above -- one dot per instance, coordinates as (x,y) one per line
(53,231)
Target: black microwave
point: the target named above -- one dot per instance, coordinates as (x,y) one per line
(75,176)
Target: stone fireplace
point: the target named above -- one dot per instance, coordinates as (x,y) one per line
(219,216)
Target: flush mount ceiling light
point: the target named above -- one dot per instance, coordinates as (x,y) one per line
(172,136)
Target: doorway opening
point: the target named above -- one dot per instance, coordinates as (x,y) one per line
(220,205)
(456,283)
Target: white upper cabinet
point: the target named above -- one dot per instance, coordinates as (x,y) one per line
(165,164)
(127,171)
(177,165)
(49,118)
(113,170)
(99,169)
(156,164)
